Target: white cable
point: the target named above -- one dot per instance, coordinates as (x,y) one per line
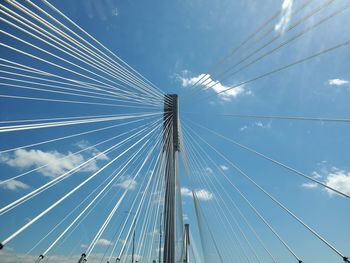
(61,67)
(74,122)
(96,203)
(82,89)
(43,213)
(92,201)
(74,153)
(263,219)
(197,167)
(132,225)
(98,235)
(126,220)
(82,84)
(96,41)
(8,207)
(73,101)
(38,18)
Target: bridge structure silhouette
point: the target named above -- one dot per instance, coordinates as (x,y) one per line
(127,184)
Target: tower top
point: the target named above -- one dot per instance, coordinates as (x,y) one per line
(171,118)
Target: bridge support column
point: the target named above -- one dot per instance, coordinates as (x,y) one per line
(170,149)
(187,242)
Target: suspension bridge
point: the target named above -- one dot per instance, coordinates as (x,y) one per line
(136,160)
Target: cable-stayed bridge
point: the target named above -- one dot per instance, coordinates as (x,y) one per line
(132,149)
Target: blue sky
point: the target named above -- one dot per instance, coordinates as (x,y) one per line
(172,43)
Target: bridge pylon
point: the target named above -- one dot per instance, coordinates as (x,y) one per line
(170,151)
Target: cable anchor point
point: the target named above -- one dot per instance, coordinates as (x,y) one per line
(82,258)
(39,258)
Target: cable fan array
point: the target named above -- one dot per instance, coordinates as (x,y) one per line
(117,180)
(259,45)
(251,51)
(104,200)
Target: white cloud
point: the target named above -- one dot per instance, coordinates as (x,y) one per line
(93,151)
(262,125)
(185,217)
(286,14)
(185,191)
(104,242)
(204,171)
(206,82)
(339,180)
(243,128)
(56,163)
(127,183)
(332,177)
(9,249)
(11,257)
(257,124)
(309,185)
(338,82)
(26,159)
(208,170)
(137,257)
(155,232)
(202,194)
(14,185)
(316,175)
(101,242)
(224,167)
(115,11)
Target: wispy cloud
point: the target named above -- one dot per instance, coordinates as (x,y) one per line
(14,185)
(12,257)
(185,217)
(185,191)
(56,162)
(203,171)
(257,124)
(309,185)
(137,257)
(333,177)
(115,11)
(243,128)
(127,183)
(339,180)
(262,125)
(202,194)
(104,242)
(316,175)
(93,151)
(154,232)
(206,82)
(286,14)
(208,170)
(338,82)
(102,10)
(224,167)
(101,242)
